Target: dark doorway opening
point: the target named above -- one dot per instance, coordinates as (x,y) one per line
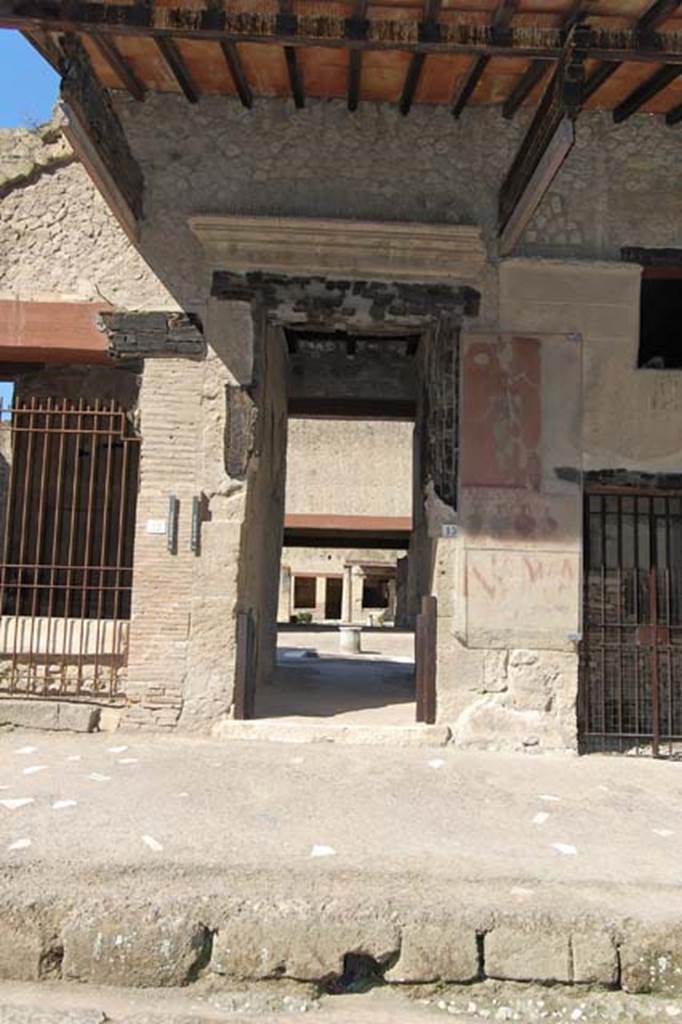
(333,596)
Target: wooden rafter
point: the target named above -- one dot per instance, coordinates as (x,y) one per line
(525,85)
(236,70)
(468,83)
(644,30)
(428,29)
(546,144)
(537,68)
(644,92)
(500,30)
(177,67)
(286,21)
(97,138)
(120,65)
(358,27)
(674,116)
(209,23)
(41,42)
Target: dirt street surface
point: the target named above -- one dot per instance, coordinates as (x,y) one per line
(113,812)
(526,1004)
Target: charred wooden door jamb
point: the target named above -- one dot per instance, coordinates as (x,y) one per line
(643,93)
(500,29)
(536,70)
(357,26)
(429,29)
(287,24)
(546,144)
(177,67)
(645,26)
(236,70)
(119,65)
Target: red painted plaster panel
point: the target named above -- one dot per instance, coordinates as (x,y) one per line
(501,420)
(51,332)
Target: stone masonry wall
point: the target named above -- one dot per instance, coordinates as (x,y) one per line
(350,467)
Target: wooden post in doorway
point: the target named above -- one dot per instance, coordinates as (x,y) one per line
(425,660)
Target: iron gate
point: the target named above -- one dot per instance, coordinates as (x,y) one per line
(630,696)
(68,484)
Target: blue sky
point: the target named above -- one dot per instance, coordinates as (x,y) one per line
(28,85)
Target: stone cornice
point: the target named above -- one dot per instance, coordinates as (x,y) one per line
(365,250)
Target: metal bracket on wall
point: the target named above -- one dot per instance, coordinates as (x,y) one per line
(195,535)
(173,516)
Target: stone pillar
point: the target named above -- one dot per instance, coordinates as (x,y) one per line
(347,594)
(320,598)
(284,604)
(357,614)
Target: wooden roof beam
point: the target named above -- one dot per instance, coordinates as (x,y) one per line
(645,91)
(97,138)
(237,74)
(501,25)
(119,65)
(48,50)
(546,144)
(210,23)
(358,28)
(429,28)
(674,116)
(647,23)
(287,24)
(535,71)
(177,67)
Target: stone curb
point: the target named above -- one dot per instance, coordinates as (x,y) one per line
(139,945)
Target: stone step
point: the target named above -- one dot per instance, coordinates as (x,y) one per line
(320,731)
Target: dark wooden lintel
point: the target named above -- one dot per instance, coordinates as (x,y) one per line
(177,67)
(152,335)
(645,91)
(236,70)
(120,65)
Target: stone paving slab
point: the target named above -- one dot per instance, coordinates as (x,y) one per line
(130,859)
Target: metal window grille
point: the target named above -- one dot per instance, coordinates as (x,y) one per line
(68,489)
(631,657)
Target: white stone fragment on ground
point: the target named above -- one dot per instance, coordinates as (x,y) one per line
(576,1014)
(152,843)
(673,1011)
(540,818)
(14,803)
(518,890)
(320,850)
(297,760)
(117,750)
(19,844)
(565,848)
(74,757)
(665,832)
(61,805)
(127,760)
(183,794)
(26,750)
(437,762)
(548,796)
(34,768)
(98,777)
